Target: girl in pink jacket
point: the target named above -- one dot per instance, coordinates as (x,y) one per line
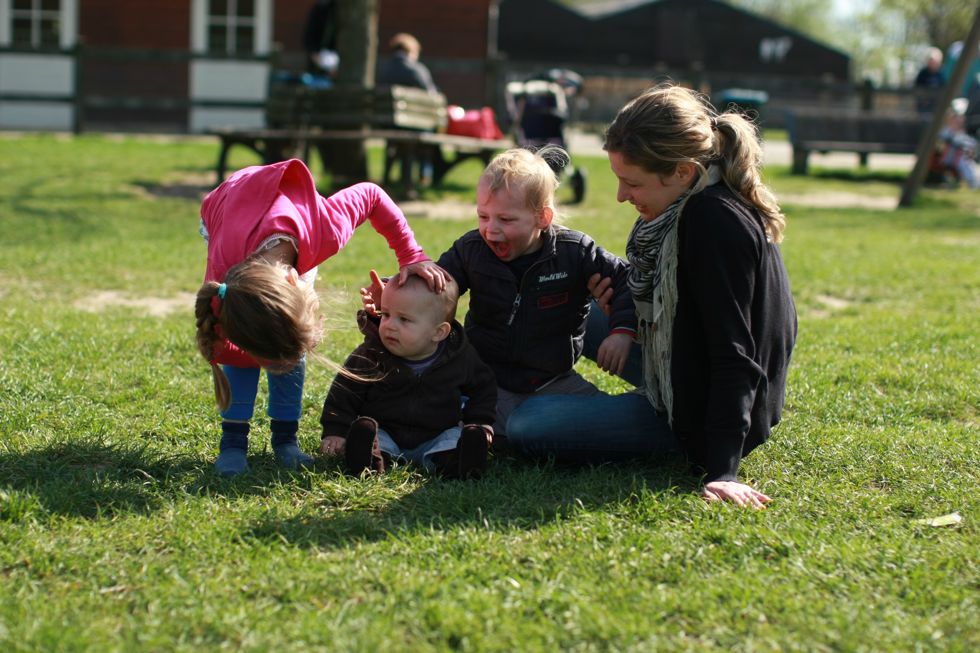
(267,230)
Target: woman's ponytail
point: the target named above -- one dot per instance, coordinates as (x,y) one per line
(741,160)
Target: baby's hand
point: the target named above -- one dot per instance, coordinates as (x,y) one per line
(371,295)
(333,446)
(613,352)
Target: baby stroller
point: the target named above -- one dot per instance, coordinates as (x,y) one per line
(539,109)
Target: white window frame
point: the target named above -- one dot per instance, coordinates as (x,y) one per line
(67,18)
(261,22)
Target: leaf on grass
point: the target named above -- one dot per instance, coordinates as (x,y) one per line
(952,519)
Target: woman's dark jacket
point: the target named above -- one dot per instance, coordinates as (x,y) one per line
(734,331)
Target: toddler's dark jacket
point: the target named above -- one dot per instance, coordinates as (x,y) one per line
(530,330)
(411,409)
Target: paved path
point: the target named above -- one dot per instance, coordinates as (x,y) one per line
(776,152)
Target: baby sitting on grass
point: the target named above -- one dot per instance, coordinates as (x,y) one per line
(414,390)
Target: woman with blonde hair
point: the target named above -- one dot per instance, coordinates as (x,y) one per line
(716,317)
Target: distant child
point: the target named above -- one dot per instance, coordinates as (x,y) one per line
(415,390)
(529,283)
(267,229)
(957,149)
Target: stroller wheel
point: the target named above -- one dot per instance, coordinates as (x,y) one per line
(577,181)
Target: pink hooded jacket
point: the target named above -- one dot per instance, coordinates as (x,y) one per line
(281,198)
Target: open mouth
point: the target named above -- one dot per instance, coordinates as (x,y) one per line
(501,249)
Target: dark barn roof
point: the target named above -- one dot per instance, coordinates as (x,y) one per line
(677,34)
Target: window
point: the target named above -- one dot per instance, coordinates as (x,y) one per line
(35,23)
(231,26)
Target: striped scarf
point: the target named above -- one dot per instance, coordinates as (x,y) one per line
(652,253)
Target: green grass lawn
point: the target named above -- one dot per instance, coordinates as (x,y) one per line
(115,535)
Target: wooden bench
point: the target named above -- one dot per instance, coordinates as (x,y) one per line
(405,120)
(862,132)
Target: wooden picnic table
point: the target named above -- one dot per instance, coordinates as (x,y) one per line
(411,146)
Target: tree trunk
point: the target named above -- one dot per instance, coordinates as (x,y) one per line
(357,42)
(357,46)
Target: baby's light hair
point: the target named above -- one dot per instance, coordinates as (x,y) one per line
(447,300)
(669,124)
(527,172)
(263,313)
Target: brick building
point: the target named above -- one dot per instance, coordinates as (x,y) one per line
(186,65)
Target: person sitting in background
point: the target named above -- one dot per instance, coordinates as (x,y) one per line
(929,80)
(320,38)
(403,67)
(957,150)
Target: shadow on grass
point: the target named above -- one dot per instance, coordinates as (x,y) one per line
(513,494)
(87,479)
(175,190)
(95,480)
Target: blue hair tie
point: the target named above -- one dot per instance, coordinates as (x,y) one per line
(222,289)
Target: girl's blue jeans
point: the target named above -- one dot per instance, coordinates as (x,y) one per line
(285,393)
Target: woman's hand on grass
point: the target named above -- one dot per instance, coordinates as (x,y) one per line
(738,493)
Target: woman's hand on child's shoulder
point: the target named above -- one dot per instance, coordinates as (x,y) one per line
(602,292)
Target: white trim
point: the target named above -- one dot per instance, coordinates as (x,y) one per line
(69,24)
(203,118)
(67,20)
(199,26)
(56,116)
(5,23)
(37,74)
(263,27)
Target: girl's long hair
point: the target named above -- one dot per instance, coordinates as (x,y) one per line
(262,313)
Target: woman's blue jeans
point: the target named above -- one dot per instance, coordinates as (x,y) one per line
(285,393)
(596,428)
(592,429)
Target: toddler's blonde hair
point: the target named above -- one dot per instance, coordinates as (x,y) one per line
(529,173)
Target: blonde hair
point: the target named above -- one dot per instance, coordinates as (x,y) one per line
(263,313)
(668,124)
(528,172)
